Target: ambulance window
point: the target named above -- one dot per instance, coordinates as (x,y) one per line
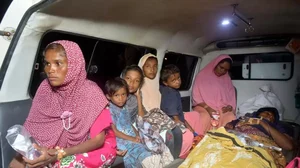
(104,59)
(262,66)
(186,64)
(110,58)
(86,44)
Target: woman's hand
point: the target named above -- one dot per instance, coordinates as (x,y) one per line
(250,121)
(121,153)
(227,109)
(47,156)
(52,152)
(210,111)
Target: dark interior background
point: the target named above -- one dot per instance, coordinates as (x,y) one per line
(4,4)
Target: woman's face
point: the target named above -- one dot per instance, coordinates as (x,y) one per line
(150,68)
(56,67)
(133,79)
(222,68)
(267,115)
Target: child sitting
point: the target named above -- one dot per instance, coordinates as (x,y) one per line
(150,89)
(151,97)
(128,139)
(171,105)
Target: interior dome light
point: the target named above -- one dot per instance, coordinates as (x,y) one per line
(225,22)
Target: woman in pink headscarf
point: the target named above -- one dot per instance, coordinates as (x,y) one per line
(214,94)
(68,117)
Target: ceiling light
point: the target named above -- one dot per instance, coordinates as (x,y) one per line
(225,22)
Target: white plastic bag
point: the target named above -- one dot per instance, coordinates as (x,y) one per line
(248,141)
(22,142)
(265,99)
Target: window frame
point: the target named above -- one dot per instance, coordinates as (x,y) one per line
(17,35)
(195,63)
(260,79)
(29,90)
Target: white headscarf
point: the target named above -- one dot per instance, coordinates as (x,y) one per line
(150,89)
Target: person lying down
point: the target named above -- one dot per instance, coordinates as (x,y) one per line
(256,141)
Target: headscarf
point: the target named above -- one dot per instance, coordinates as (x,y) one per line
(150,88)
(77,95)
(273,110)
(274,124)
(215,91)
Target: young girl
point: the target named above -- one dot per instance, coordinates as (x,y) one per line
(152,99)
(151,95)
(138,155)
(150,89)
(134,77)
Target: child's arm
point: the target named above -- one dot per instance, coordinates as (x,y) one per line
(121,135)
(135,131)
(137,135)
(177,120)
(141,111)
(187,125)
(121,152)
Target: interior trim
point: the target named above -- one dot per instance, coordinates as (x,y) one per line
(17,36)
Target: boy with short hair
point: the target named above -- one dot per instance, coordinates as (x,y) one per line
(171,99)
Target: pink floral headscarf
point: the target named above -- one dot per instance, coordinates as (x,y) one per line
(80,97)
(215,91)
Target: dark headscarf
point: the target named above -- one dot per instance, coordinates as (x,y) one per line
(273,110)
(276,124)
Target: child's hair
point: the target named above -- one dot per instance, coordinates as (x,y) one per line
(167,71)
(113,85)
(134,68)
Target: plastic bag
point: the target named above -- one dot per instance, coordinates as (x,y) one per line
(248,141)
(22,142)
(265,99)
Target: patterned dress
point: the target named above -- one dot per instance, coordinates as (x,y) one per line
(136,152)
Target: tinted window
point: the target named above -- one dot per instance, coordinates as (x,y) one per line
(104,59)
(3,8)
(86,44)
(111,58)
(266,66)
(186,64)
